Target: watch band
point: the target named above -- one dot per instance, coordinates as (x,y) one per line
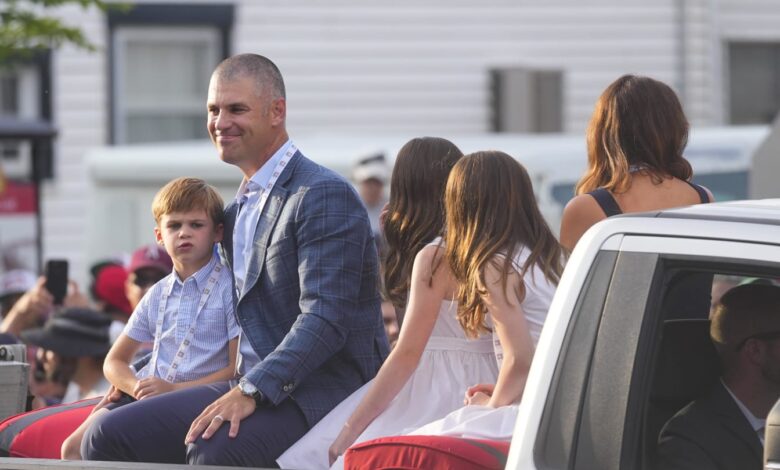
(248,389)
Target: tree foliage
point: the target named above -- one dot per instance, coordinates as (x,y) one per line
(27,26)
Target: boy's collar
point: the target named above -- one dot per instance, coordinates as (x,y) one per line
(201,275)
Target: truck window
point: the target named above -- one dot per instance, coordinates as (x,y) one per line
(686,364)
(562,413)
(612,389)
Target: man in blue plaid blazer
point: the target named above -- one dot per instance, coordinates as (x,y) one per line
(306,276)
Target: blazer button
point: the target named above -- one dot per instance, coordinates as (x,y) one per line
(287,388)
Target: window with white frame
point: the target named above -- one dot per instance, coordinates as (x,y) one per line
(161,58)
(160,80)
(19,99)
(754,82)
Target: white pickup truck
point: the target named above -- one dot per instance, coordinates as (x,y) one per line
(621,351)
(626,342)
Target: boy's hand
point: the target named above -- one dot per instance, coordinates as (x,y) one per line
(150,387)
(112,395)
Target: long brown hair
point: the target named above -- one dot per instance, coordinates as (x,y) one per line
(491,210)
(637,121)
(416,211)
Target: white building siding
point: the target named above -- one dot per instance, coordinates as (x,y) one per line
(80,113)
(424,67)
(417,67)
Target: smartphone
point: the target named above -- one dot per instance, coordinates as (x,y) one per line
(57,279)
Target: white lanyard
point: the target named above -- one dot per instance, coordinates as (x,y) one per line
(185,344)
(275,176)
(280,166)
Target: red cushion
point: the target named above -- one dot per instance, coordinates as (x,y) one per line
(427,452)
(40,433)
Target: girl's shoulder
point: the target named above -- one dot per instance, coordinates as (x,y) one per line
(430,263)
(431,252)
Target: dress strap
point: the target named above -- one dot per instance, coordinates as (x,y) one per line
(606,202)
(705,198)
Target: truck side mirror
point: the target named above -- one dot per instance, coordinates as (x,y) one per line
(772,438)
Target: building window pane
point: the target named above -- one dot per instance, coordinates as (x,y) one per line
(9,104)
(754,82)
(160,80)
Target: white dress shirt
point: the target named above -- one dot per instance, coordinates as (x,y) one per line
(248,198)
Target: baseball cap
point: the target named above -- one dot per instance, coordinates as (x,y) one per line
(746,311)
(16,281)
(150,256)
(110,287)
(373,167)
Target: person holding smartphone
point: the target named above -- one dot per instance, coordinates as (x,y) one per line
(35,306)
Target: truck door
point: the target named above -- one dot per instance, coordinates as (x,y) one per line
(598,412)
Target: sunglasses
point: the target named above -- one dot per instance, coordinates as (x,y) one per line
(147,280)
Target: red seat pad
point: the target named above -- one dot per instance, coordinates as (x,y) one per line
(427,452)
(40,433)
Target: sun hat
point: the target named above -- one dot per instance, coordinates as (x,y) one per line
(73,332)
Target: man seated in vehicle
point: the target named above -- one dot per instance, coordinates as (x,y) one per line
(724,429)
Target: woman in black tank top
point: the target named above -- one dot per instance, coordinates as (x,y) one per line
(637,134)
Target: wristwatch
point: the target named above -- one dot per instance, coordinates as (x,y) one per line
(248,389)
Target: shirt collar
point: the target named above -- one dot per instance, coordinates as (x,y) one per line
(262,176)
(755,422)
(201,276)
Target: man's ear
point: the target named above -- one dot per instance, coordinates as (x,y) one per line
(278,111)
(219,232)
(158,236)
(754,349)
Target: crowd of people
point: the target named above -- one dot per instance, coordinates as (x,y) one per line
(67,348)
(258,335)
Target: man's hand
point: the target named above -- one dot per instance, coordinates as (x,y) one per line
(479,394)
(232,406)
(150,387)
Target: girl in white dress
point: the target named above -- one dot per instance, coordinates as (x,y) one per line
(433,363)
(507,263)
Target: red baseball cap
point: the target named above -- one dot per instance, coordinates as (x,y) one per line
(150,256)
(110,287)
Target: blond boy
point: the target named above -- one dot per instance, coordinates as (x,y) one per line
(188,315)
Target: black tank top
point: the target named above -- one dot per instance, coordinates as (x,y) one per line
(610,206)
(689,293)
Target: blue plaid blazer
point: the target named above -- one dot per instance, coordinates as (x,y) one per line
(311,309)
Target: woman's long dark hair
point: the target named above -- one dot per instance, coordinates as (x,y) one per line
(416,211)
(491,214)
(637,121)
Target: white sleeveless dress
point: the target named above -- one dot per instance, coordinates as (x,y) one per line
(485,422)
(449,365)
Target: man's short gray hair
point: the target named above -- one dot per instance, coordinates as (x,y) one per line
(261,69)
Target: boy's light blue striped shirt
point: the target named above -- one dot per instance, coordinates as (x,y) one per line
(208,351)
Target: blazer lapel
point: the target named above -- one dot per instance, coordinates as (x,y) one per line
(736,422)
(265,226)
(231,211)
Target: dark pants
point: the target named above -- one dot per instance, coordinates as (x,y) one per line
(153,430)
